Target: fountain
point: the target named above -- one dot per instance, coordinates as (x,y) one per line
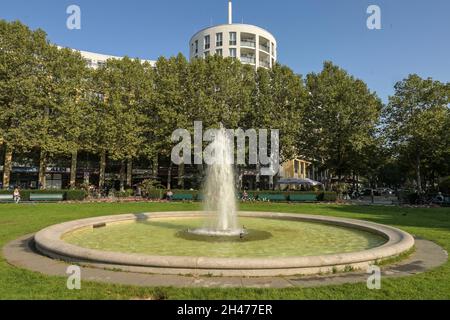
(214,243)
(219,191)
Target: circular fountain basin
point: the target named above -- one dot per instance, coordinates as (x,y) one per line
(276,244)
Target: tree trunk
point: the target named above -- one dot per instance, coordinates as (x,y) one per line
(73,170)
(169,176)
(239,177)
(42,169)
(129,173)
(258,176)
(7,168)
(101,181)
(418,172)
(181,176)
(156,167)
(200,176)
(122,176)
(276,178)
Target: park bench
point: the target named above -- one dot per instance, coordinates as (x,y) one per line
(46,197)
(272,197)
(6,198)
(183,197)
(303,197)
(446,202)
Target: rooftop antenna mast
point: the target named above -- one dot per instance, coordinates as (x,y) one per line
(230,12)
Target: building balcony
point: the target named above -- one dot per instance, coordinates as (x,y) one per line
(248,43)
(248,59)
(264,48)
(265,64)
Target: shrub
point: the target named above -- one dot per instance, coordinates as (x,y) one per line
(155,194)
(150,185)
(75,195)
(329,196)
(125,194)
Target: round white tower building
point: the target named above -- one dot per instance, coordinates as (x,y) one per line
(248,43)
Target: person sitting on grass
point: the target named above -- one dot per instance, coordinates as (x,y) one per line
(16,195)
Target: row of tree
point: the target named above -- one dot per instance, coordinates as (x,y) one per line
(52,102)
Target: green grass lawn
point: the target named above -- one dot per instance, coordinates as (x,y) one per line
(18,220)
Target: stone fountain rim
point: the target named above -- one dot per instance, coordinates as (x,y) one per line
(49,242)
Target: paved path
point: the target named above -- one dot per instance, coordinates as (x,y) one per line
(20,253)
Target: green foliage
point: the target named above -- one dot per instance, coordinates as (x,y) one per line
(328,197)
(75,195)
(340,120)
(51,102)
(154,194)
(125,194)
(150,185)
(417,122)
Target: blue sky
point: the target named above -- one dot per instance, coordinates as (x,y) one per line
(415,37)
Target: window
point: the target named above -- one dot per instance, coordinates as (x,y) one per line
(219,39)
(196,46)
(219,52)
(233,52)
(233,39)
(207,42)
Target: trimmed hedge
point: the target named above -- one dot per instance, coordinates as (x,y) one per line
(329,196)
(68,195)
(157,194)
(197,195)
(75,195)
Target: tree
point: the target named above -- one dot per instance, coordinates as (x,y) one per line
(100,132)
(20,75)
(68,123)
(124,91)
(340,119)
(170,105)
(278,98)
(416,124)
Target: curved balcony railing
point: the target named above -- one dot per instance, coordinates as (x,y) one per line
(265,64)
(248,59)
(264,48)
(248,43)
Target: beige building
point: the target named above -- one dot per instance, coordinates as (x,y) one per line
(96,60)
(297,169)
